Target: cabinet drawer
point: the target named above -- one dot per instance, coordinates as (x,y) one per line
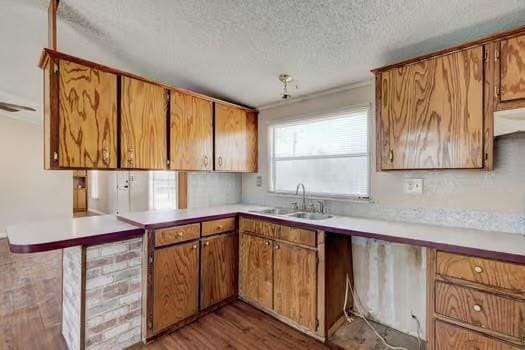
(449,337)
(177,234)
(484,271)
(299,236)
(488,311)
(261,228)
(218,226)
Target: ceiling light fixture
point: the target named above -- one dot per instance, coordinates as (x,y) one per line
(285,79)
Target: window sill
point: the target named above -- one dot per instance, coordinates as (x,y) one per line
(315,196)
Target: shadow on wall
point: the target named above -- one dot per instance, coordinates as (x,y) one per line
(456,37)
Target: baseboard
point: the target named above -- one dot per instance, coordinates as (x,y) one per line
(96,211)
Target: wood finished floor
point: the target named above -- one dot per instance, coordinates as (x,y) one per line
(30,310)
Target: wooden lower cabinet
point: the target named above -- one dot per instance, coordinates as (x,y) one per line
(176,284)
(474,303)
(301,284)
(218,269)
(256,270)
(450,337)
(295,284)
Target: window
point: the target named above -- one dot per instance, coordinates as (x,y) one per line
(329,155)
(162,190)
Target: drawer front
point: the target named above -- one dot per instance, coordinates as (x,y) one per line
(299,236)
(261,228)
(449,337)
(177,234)
(488,311)
(218,226)
(484,271)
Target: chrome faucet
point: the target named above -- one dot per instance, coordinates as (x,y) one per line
(303,205)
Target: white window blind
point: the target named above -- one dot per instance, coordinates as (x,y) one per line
(329,155)
(162,190)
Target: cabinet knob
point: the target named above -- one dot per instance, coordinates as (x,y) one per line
(277,247)
(477,308)
(206,244)
(219,227)
(105,154)
(478,269)
(267,242)
(194,246)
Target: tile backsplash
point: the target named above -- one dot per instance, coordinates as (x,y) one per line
(212,189)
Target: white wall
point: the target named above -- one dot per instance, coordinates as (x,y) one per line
(27,191)
(391,278)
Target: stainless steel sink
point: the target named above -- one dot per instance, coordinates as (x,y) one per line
(275,211)
(310,216)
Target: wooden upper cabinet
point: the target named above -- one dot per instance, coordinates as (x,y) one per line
(235,139)
(144,108)
(295,284)
(511,68)
(191,132)
(175,285)
(218,269)
(87,117)
(430,113)
(256,270)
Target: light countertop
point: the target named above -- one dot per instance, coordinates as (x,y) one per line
(99,229)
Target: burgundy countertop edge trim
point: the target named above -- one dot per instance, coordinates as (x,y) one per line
(178,222)
(81,241)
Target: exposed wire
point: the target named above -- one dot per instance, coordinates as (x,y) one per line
(358,314)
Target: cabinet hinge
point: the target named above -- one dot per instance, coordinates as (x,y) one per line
(167,162)
(55,156)
(486,55)
(496,55)
(150,323)
(496,90)
(151,259)
(55,68)
(167,96)
(316,324)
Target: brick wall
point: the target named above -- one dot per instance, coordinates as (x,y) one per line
(72,268)
(114,295)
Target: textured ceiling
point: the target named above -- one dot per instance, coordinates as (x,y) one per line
(236,49)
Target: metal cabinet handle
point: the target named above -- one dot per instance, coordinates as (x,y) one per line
(478,269)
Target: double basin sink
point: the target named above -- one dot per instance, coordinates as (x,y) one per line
(294,214)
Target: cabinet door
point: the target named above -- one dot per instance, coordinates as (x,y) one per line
(512,69)
(235,139)
(191,132)
(175,285)
(82,199)
(256,270)
(449,337)
(87,117)
(144,110)
(295,284)
(218,269)
(432,113)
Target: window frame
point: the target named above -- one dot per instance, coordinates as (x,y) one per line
(312,118)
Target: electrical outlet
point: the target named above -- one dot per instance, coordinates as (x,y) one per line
(414,186)
(259,181)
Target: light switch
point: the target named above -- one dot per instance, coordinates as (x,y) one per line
(414,186)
